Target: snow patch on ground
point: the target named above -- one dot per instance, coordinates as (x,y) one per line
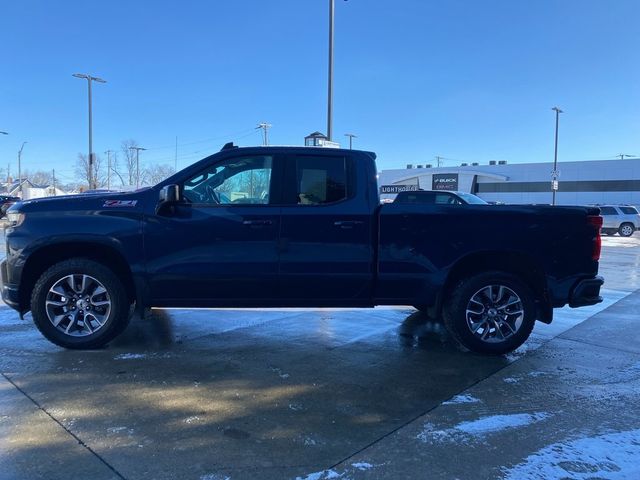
(214,476)
(130,356)
(323,475)
(345,474)
(362,466)
(462,398)
(479,428)
(610,456)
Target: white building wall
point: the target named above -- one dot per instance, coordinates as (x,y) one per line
(628,169)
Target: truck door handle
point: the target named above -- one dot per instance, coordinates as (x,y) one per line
(347,223)
(257,223)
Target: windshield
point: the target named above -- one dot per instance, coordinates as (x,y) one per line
(471,199)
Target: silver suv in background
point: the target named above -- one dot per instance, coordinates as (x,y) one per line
(623,219)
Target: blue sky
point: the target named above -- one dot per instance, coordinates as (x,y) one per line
(469,80)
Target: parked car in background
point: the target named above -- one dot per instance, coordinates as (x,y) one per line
(439,197)
(621,219)
(5,202)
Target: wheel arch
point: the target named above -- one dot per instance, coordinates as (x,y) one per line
(46,256)
(521,264)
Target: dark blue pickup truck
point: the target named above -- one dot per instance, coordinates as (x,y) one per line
(288,226)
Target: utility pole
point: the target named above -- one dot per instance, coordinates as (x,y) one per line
(137,149)
(53,173)
(109,152)
(90,79)
(20,168)
(351,137)
(265,127)
(622,155)
(438,160)
(330,83)
(555,173)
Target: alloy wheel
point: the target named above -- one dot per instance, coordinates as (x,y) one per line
(78,305)
(494,313)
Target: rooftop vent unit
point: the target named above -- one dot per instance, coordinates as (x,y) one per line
(502,162)
(409,165)
(492,162)
(475,164)
(418,166)
(428,165)
(464,164)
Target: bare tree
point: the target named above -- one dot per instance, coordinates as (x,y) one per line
(38,177)
(83,172)
(129,161)
(156,173)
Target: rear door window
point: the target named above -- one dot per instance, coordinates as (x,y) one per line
(629,210)
(608,211)
(320,180)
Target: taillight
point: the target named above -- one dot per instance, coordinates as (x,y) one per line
(596,222)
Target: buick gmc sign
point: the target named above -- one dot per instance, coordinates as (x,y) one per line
(445,181)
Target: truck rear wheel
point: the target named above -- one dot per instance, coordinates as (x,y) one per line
(80,304)
(491,313)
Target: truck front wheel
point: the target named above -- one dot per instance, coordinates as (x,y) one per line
(491,312)
(80,304)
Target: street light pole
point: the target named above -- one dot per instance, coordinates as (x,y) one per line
(20,169)
(351,137)
(90,79)
(554,174)
(108,152)
(330,90)
(137,149)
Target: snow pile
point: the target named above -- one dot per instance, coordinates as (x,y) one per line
(611,456)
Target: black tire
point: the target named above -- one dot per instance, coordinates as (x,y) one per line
(455,314)
(116,317)
(626,229)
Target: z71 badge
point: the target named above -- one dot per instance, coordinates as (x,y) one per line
(120,203)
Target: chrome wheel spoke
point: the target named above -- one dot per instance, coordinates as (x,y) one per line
(72,321)
(56,303)
(99,319)
(58,318)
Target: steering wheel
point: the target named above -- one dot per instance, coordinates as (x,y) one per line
(212,194)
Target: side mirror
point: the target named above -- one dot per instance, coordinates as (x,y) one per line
(170,194)
(168,197)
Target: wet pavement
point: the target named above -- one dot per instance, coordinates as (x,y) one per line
(329,393)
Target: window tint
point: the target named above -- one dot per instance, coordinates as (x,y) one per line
(320,180)
(608,211)
(244,180)
(629,210)
(444,199)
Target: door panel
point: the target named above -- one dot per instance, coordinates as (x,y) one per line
(325,239)
(215,253)
(220,244)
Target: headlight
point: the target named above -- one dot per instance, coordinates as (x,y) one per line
(15,218)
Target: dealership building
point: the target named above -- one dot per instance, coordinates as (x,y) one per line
(578,183)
